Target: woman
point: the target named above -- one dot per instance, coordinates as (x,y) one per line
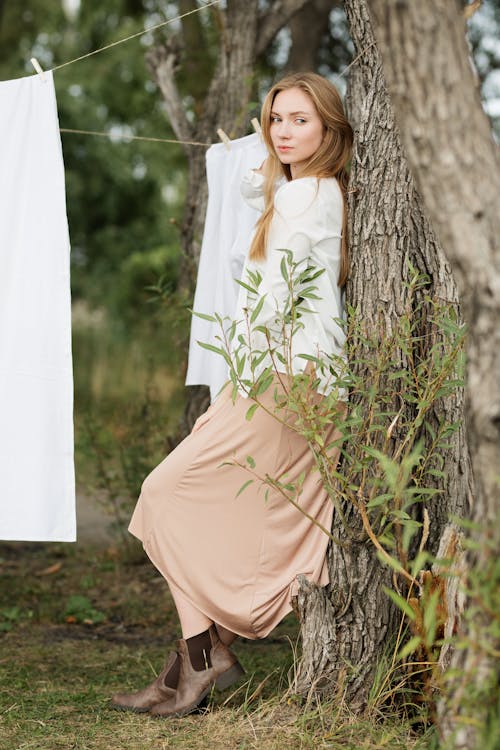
(231,560)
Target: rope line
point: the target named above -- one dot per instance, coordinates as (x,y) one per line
(139,33)
(169,140)
(355,60)
(124,136)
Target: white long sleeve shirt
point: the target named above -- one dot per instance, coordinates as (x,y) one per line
(226,238)
(37,492)
(307,221)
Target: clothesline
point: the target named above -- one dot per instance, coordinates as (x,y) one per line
(138,33)
(170,21)
(125,136)
(133,36)
(173,140)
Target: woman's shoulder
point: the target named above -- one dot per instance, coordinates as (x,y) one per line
(303,193)
(296,196)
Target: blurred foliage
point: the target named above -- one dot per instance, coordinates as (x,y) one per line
(115,190)
(125,198)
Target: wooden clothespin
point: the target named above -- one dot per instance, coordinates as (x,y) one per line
(224,138)
(256,126)
(38,68)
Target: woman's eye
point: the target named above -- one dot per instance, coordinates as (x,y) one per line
(300,120)
(275,119)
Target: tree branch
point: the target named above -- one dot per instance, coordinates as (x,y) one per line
(163,63)
(274,19)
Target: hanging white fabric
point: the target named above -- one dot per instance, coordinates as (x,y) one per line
(37,483)
(226,240)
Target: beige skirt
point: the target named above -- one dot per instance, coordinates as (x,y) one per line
(235,557)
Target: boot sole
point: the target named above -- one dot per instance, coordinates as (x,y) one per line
(117,707)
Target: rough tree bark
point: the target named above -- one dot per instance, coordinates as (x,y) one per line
(346,627)
(456,166)
(245,32)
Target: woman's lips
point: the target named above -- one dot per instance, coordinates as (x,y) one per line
(284,148)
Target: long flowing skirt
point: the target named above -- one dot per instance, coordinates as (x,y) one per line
(235,557)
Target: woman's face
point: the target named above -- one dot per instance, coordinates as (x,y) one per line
(296,128)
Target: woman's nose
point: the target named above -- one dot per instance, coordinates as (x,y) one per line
(283,129)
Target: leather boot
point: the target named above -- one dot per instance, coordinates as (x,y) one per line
(193,686)
(143,700)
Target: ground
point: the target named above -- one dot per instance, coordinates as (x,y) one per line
(80,622)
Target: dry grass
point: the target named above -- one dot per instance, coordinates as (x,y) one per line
(56,678)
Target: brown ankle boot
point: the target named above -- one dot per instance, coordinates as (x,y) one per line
(143,700)
(193,686)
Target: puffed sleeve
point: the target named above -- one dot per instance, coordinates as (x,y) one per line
(296,225)
(252,189)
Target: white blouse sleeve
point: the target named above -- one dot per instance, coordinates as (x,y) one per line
(252,189)
(296,224)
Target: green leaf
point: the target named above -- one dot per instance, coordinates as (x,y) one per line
(257,360)
(419,562)
(410,647)
(306,276)
(246,286)
(283,269)
(251,411)
(310,358)
(401,603)
(251,462)
(203,316)
(264,384)
(243,487)
(240,364)
(390,561)
(379,500)
(258,308)
(217,350)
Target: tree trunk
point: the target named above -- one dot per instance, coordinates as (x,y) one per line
(347,626)
(456,166)
(315,18)
(245,32)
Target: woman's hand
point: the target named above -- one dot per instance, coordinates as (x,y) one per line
(264,168)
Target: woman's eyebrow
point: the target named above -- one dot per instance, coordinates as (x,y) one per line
(291,114)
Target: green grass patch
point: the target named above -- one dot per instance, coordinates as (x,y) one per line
(59,665)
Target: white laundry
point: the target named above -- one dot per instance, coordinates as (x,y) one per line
(37,483)
(226,240)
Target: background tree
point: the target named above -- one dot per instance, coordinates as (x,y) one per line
(455,161)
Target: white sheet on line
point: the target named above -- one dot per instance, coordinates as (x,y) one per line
(37,483)
(228,230)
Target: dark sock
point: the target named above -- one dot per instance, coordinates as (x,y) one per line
(172,676)
(199,650)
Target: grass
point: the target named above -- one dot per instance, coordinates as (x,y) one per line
(60,663)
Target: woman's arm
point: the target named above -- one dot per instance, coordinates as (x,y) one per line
(252,188)
(296,224)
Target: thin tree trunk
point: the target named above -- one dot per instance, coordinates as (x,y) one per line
(347,626)
(245,32)
(455,162)
(308,27)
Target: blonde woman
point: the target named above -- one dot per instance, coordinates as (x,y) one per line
(231,561)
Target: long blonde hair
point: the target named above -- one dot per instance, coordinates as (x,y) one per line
(330,160)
